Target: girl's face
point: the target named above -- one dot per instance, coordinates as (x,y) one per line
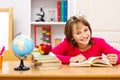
(81,34)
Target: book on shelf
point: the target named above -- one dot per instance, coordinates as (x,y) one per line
(49,61)
(65,10)
(58,11)
(100,61)
(62,10)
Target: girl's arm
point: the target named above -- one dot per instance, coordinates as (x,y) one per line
(110,51)
(60,51)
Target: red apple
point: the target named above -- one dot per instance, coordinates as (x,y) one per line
(44,48)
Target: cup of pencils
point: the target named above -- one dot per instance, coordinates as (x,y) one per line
(1,56)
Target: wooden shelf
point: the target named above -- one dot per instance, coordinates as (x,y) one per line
(57,28)
(48,23)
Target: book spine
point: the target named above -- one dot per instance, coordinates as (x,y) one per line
(65,10)
(62,10)
(59,11)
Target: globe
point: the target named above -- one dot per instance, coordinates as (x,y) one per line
(22,46)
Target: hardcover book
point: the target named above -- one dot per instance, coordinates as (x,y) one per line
(65,10)
(49,61)
(62,10)
(58,11)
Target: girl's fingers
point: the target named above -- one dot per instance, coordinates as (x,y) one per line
(111,55)
(112,58)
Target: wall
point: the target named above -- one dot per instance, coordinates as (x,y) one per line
(20,14)
(104,18)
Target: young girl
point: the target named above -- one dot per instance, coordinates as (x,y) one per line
(79,44)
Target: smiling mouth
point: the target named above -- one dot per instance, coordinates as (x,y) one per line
(84,39)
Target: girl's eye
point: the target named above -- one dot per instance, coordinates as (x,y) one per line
(86,30)
(78,32)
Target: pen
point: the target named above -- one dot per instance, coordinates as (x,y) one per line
(3,48)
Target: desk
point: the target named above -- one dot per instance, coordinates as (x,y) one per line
(66,73)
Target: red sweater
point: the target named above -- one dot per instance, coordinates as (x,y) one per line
(64,51)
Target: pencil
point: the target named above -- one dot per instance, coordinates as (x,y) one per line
(3,48)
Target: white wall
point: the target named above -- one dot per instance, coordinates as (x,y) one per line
(104,17)
(102,14)
(20,14)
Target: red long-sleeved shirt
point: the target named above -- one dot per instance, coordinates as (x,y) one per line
(64,51)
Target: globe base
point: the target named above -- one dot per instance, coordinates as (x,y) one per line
(21,67)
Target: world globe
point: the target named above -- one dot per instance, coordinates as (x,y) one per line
(22,46)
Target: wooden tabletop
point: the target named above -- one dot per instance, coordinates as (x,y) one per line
(64,71)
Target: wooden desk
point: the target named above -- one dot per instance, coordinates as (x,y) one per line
(65,73)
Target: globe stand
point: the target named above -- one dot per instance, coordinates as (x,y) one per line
(21,67)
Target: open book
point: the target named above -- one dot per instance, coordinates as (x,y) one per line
(94,61)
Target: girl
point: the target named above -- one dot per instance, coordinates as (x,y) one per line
(79,44)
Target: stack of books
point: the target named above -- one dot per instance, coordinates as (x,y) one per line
(49,61)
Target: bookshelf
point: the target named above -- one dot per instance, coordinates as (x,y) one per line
(50,8)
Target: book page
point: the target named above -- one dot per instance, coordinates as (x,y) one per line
(85,63)
(104,57)
(91,59)
(103,61)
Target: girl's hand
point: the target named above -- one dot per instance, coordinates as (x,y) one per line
(112,58)
(79,58)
